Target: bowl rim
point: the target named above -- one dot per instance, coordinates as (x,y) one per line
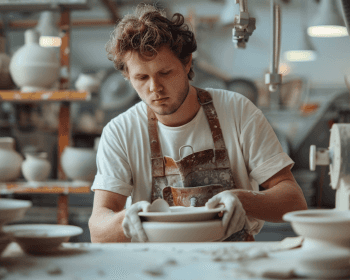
(11,229)
(22,204)
(335,217)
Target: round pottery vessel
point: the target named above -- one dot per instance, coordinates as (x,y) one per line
(41,238)
(10,160)
(88,82)
(321,228)
(32,67)
(5,239)
(36,168)
(79,164)
(206,231)
(12,210)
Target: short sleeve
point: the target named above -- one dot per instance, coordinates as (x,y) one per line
(262,151)
(113,170)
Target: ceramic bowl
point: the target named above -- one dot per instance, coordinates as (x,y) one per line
(79,164)
(182,214)
(12,210)
(206,231)
(321,226)
(41,238)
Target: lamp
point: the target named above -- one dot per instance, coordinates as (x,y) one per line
(304,52)
(48,30)
(328,22)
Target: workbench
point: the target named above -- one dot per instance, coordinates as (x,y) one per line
(140,261)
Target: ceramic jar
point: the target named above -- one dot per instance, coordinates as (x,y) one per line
(10,160)
(5,77)
(36,167)
(79,164)
(32,67)
(87,82)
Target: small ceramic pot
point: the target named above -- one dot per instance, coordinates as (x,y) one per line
(196,196)
(36,167)
(32,67)
(88,82)
(79,164)
(10,160)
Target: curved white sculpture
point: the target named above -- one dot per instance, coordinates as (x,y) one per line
(79,164)
(32,67)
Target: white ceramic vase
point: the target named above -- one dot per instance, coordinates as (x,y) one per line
(90,82)
(10,160)
(36,167)
(32,67)
(5,77)
(79,164)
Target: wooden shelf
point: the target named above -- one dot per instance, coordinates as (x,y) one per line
(40,96)
(48,187)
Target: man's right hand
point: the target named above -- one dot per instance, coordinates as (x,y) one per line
(132,226)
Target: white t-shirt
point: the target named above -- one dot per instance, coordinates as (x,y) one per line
(124,155)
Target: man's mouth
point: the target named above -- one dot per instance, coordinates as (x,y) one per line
(161,100)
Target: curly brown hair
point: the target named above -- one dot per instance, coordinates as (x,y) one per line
(147,31)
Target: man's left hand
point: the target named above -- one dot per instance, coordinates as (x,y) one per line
(234,215)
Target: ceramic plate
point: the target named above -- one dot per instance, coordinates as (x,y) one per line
(41,238)
(12,210)
(204,231)
(182,214)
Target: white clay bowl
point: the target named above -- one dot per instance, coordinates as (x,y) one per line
(79,164)
(41,238)
(321,226)
(12,210)
(206,231)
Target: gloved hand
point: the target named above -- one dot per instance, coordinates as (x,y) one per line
(132,226)
(234,215)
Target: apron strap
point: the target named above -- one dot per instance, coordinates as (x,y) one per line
(205,99)
(156,152)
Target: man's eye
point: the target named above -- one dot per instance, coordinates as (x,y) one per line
(165,73)
(142,78)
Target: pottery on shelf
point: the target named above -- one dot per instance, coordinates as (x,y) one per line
(79,164)
(32,67)
(6,81)
(90,82)
(10,160)
(36,167)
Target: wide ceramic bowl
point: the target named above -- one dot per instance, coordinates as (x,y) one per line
(206,231)
(12,210)
(321,226)
(41,238)
(79,164)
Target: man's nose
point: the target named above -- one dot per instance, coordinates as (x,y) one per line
(155,85)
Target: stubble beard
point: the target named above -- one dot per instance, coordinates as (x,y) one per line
(175,106)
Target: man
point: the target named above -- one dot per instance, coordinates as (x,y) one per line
(174,122)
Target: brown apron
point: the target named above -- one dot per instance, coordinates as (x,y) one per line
(194,179)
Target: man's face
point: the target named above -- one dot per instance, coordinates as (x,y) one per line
(162,82)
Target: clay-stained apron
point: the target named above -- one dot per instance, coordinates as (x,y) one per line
(197,177)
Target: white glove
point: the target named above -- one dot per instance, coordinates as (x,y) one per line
(132,226)
(234,215)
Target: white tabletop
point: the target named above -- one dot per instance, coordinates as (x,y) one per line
(142,261)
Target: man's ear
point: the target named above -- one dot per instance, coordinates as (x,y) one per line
(189,64)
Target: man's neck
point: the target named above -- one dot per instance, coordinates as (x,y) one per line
(187,111)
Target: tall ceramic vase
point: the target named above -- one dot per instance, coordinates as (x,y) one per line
(32,67)
(10,160)
(6,81)
(36,167)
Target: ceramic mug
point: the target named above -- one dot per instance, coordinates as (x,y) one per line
(196,196)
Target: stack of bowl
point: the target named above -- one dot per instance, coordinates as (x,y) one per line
(182,224)
(32,238)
